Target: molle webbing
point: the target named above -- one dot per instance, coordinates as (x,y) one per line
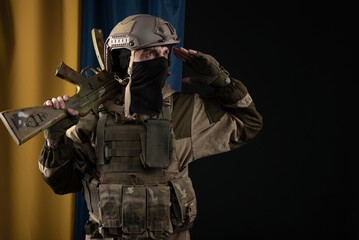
(137,197)
(123,140)
(124,156)
(123,148)
(157,177)
(100,137)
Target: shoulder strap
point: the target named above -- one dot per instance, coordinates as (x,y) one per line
(100,133)
(167,108)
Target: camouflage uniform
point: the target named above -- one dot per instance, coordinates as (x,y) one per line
(131,195)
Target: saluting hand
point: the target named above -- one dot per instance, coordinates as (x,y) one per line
(206,67)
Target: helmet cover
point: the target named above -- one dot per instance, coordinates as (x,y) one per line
(137,32)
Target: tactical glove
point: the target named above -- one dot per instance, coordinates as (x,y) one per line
(209,71)
(56,133)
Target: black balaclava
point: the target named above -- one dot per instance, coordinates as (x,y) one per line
(120,62)
(148,78)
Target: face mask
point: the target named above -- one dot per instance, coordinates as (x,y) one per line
(148,78)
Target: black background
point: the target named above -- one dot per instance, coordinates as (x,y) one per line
(298,178)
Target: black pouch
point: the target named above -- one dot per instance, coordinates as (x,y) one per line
(157,143)
(184,203)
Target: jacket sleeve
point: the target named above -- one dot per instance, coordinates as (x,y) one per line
(224,120)
(63,165)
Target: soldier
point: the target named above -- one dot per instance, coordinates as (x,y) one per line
(130,160)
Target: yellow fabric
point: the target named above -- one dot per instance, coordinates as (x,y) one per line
(35,36)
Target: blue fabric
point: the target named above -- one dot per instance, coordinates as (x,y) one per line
(105,14)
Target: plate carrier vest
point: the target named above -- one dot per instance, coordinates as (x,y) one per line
(138,190)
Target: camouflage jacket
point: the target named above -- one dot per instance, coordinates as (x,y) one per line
(202,126)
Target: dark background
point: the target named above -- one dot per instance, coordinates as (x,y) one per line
(298,178)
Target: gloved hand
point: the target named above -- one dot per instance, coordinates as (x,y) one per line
(56,133)
(208,70)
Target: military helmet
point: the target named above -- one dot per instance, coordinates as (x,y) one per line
(136,32)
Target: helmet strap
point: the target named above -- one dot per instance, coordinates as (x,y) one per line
(127,90)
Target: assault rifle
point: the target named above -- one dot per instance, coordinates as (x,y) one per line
(25,123)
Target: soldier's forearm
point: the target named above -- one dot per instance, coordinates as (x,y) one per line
(237,101)
(233,93)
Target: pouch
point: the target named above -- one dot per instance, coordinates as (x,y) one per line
(90,193)
(184,203)
(110,205)
(134,209)
(157,143)
(158,209)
